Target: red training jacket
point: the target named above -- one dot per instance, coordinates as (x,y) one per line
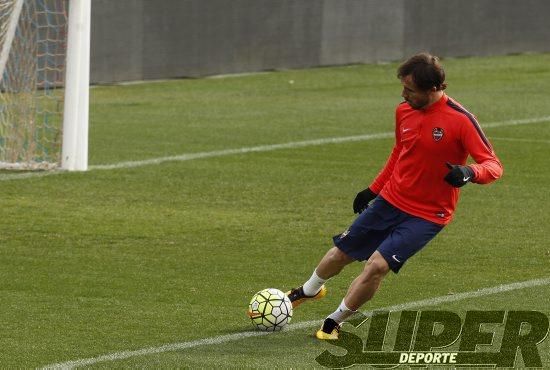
(425,139)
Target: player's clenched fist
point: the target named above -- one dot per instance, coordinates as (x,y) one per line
(458,175)
(362,200)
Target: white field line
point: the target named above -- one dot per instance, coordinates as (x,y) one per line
(253,149)
(307,324)
(536,141)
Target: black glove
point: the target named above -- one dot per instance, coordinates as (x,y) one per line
(362,199)
(458,175)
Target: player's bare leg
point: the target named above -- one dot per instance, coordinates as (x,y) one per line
(361,290)
(330,265)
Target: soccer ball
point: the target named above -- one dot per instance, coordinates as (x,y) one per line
(270,310)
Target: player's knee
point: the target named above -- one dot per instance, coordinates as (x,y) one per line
(376,268)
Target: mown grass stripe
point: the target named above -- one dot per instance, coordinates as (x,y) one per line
(252,149)
(306,324)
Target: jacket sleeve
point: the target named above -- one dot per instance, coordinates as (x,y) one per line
(488,167)
(386,172)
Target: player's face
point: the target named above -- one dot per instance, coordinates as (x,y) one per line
(416,98)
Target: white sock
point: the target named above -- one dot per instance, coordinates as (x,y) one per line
(313,285)
(341,313)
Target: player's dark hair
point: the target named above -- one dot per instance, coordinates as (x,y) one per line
(426,71)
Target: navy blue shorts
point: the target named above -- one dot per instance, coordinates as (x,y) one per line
(388,230)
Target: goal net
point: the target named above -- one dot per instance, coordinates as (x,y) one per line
(33,44)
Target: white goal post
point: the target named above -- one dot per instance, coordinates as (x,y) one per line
(44,84)
(75,116)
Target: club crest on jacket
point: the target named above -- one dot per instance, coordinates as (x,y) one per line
(437,133)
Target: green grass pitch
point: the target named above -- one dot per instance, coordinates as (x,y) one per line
(117,260)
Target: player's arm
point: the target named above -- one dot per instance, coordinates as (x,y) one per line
(487,167)
(363,198)
(386,172)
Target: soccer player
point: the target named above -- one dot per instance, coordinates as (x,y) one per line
(414,195)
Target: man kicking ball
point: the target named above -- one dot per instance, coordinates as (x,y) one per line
(415,194)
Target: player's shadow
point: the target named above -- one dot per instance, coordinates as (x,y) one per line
(239,330)
(248,329)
